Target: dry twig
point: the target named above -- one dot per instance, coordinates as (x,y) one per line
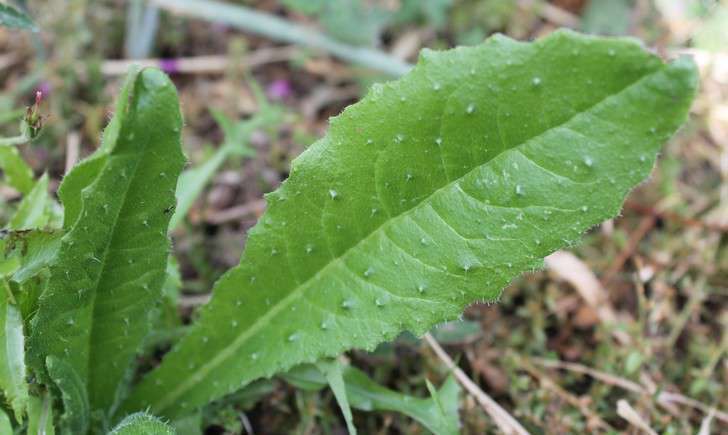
(500,416)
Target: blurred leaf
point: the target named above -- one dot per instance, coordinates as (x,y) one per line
(192,181)
(5,427)
(473,21)
(14,18)
(432,12)
(190,425)
(633,362)
(12,353)
(607,17)
(438,414)
(352,21)
(457,331)
(32,213)
(713,34)
(142,424)
(17,173)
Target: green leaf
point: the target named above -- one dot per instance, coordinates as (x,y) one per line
(431,193)
(457,332)
(86,172)
(40,415)
(111,265)
(75,417)
(32,212)
(142,424)
(332,370)
(5,426)
(12,354)
(607,17)
(438,414)
(35,250)
(17,173)
(13,18)
(443,418)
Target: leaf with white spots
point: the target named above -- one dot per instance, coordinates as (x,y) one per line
(142,424)
(109,270)
(431,193)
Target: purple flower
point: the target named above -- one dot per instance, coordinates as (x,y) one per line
(170,66)
(280,89)
(44,88)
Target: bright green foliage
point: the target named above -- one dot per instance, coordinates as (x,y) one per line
(433,192)
(35,250)
(12,353)
(33,211)
(333,372)
(24,260)
(438,414)
(142,424)
(17,173)
(13,18)
(40,415)
(5,426)
(73,393)
(109,270)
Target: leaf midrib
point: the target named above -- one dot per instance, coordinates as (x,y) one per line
(106,254)
(260,322)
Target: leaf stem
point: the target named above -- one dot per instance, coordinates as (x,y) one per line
(15,140)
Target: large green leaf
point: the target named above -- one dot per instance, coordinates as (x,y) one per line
(433,192)
(109,270)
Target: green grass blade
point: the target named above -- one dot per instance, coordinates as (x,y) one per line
(109,270)
(431,193)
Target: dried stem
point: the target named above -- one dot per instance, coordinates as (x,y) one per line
(501,417)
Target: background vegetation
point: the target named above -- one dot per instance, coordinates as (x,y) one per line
(252,102)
